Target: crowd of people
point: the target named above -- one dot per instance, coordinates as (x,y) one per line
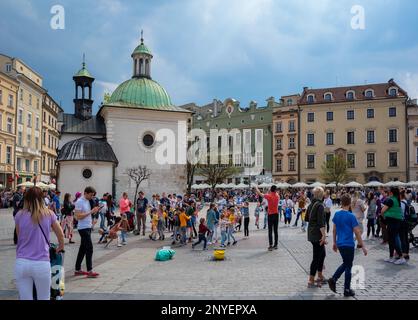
(387,214)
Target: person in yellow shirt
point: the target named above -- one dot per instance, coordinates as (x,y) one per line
(232,220)
(183,225)
(154,224)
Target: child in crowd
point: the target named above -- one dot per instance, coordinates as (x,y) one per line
(287,216)
(257,212)
(124,226)
(183,217)
(112,234)
(232,219)
(203,230)
(161,222)
(154,224)
(176,226)
(224,222)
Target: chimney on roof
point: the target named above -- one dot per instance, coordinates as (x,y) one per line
(391,80)
(305,88)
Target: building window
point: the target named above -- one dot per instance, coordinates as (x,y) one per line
(1,96)
(392,112)
(292,143)
(43,138)
(311,139)
(350,114)
(43,164)
(328,159)
(27,165)
(19,164)
(279,127)
(328,97)
(350,137)
(21,95)
(19,138)
(311,117)
(311,161)
(350,95)
(417,157)
(351,160)
(259,157)
(35,166)
(292,164)
(330,138)
(311,98)
(370,160)
(29,140)
(369,94)
(8,67)
(278,144)
(29,120)
(292,126)
(279,165)
(10,101)
(37,123)
(393,92)
(370,136)
(237,158)
(9,125)
(30,99)
(330,116)
(87,173)
(9,155)
(393,159)
(36,143)
(1,121)
(370,113)
(37,103)
(289,102)
(20,116)
(393,135)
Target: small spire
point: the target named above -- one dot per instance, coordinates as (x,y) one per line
(84,60)
(142,36)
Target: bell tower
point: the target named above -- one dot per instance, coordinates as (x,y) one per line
(83,102)
(142,57)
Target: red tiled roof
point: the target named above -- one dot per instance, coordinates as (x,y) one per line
(381,90)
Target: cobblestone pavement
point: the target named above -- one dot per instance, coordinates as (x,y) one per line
(249,271)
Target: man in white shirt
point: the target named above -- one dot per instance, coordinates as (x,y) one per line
(327,208)
(83,213)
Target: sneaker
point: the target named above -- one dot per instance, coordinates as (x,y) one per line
(332,285)
(270,248)
(71,241)
(235,242)
(275,247)
(390,260)
(119,245)
(349,293)
(124,243)
(228,244)
(92,274)
(80,273)
(400,261)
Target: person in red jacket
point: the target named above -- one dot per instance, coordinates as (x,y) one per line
(203,230)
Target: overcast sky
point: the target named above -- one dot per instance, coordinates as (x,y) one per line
(207,49)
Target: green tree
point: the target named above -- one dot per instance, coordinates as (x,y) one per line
(335,170)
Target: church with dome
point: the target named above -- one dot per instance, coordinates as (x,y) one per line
(96,150)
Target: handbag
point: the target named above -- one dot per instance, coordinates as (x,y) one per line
(52,251)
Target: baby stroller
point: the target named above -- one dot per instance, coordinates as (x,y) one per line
(412,238)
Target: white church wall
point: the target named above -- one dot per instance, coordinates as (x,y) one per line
(71,179)
(125,129)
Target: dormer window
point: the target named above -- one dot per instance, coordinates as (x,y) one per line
(393,92)
(369,93)
(311,98)
(350,95)
(328,96)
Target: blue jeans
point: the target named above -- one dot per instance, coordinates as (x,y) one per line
(102,221)
(231,233)
(224,236)
(123,236)
(347,253)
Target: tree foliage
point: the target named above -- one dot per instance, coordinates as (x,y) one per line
(335,170)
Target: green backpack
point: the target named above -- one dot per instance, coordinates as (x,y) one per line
(164,254)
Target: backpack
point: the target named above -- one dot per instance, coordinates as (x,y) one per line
(410,214)
(310,209)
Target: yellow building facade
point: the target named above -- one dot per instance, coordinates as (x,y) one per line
(8,99)
(367,125)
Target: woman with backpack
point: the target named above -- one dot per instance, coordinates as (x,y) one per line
(371,213)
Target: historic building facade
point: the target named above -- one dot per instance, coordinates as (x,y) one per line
(250,126)
(8,101)
(364,124)
(98,150)
(285,139)
(28,115)
(412,140)
(50,137)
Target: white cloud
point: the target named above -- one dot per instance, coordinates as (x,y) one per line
(409,82)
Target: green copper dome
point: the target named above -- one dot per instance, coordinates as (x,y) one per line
(142,48)
(142,92)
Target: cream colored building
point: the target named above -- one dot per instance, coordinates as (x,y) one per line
(8,97)
(50,138)
(28,115)
(365,124)
(413,139)
(285,140)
